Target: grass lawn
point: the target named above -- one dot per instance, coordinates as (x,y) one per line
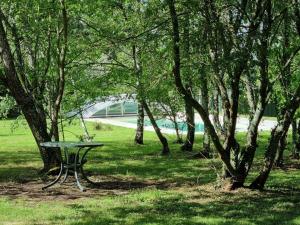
(139,186)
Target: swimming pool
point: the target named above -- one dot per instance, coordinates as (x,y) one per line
(168,124)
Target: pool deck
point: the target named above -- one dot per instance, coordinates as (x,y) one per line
(242,124)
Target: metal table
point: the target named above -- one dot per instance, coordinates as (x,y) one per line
(67,165)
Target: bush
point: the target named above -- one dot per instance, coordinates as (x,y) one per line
(101,126)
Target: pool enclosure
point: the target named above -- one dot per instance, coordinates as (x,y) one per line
(111,107)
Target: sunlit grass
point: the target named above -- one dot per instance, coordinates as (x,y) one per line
(189,197)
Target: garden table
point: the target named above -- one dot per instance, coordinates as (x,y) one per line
(68,164)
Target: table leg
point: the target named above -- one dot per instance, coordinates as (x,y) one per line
(67,166)
(57,178)
(75,170)
(82,170)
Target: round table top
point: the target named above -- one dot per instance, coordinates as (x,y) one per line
(70,144)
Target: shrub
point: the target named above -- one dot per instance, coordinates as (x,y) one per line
(101,126)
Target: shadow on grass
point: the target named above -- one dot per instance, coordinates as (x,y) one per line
(174,168)
(19,157)
(18,174)
(127,160)
(258,209)
(129,185)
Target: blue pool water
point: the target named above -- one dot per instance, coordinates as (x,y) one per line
(165,123)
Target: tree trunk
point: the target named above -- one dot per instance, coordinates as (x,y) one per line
(54,132)
(257,103)
(83,125)
(296,139)
(187,96)
(281,147)
(205,103)
(297,153)
(138,70)
(190,120)
(250,93)
(270,154)
(161,137)
(34,114)
(280,131)
(189,111)
(285,80)
(178,136)
(139,135)
(62,47)
(216,113)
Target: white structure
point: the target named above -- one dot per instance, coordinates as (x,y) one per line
(111,107)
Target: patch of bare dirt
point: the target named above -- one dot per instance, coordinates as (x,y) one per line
(32,190)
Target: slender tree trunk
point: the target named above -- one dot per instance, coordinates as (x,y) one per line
(270,154)
(171,114)
(189,111)
(190,120)
(281,147)
(187,96)
(83,125)
(285,80)
(205,103)
(161,137)
(248,153)
(54,133)
(138,70)
(62,47)
(296,139)
(139,135)
(257,104)
(178,136)
(250,93)
(216,114)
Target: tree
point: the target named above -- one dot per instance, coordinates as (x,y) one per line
(24,69)
(234,38)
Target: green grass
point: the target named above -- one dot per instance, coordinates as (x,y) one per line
(184,192)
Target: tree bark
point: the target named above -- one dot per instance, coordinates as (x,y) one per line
(270,154)
(250,93)
(138,70)
(161,137)
(281,147)
(139,135)
(216,113)
(190,120)
(206,151)
(296,139)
